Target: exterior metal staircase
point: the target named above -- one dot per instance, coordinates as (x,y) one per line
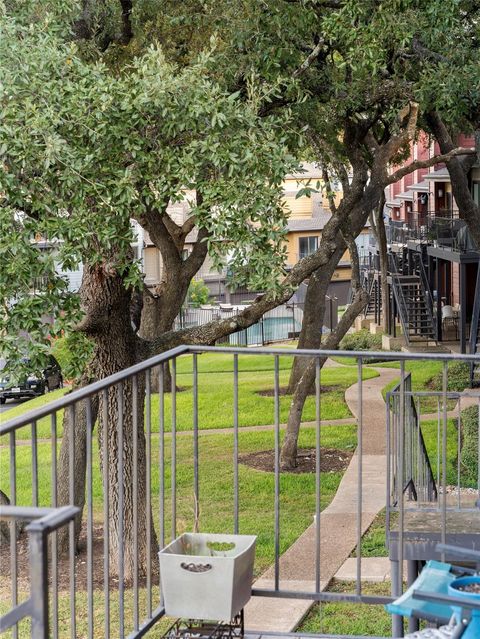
(369,285)
(414,306)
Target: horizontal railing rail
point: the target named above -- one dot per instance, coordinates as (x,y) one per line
(160,414)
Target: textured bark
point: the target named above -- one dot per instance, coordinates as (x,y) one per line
(78,423)
(458,169)
(164,303)
(313,315)
(378,227)
(288,453)
(107,320)
(152,325)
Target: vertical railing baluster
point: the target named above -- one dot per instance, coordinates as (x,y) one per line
(235,446)
(135,497)
(34,465)
(196,488)
(478,453)
(277,471)
(459,450)
(121,499)
(443,536)
(54,550)
(71,526)
(161,455)
(148,479)
(389,463)
(89,435)
(174,448)
(318,418)
(419,480)
(106,515)
(438,445)
(401,453)
(359,453)
(13,524)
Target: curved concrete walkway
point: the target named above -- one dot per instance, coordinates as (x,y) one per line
(338,522)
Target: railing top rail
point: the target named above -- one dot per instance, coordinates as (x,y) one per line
(91,389)
(439,393)
(361,355)
(102,384)
(42,519)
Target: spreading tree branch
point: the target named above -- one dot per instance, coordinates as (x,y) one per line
(423,164)
(309,60)
(328,187)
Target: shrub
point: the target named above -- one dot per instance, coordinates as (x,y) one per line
(458,378)
(469,454)
(198,293)
(361,341)
(72,353)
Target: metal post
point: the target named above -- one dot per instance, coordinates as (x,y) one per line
(359,453)
(463,308)
(37,542)
(438,284)
(397,620)
(394,316)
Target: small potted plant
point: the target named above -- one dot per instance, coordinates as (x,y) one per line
(207,576)
(468,588)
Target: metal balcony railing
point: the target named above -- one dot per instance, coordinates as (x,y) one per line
(278,325)
(43,522)
(113,588)
(446,232)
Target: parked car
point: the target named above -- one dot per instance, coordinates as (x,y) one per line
(30,385)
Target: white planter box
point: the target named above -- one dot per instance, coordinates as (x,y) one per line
(198,583)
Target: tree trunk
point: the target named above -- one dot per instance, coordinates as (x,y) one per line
(288,453)
(79,452)
(381,236)
(153,325)
(158,316)
(384,278)
(313,315)
(128,517)
(458,170)
(107,320)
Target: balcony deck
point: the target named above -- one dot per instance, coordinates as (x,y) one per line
(391,462)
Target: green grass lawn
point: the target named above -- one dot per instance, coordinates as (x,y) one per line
(216,499)
(374,539)
(215,394)
(423,372)
(216,484)
(350,618)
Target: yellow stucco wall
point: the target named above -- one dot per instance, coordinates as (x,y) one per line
(293,250)
(302,207)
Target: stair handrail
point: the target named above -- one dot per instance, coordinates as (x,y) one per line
(411,480)
(399,297)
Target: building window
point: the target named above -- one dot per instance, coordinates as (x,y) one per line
(307,245)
